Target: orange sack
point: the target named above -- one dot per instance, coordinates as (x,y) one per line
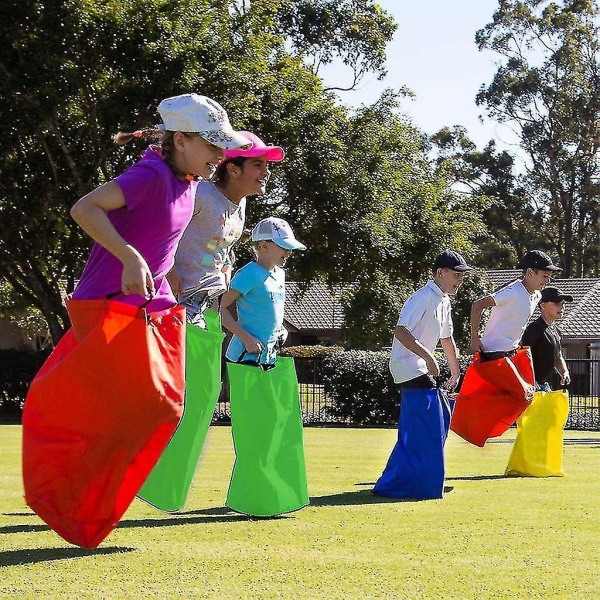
(492,396)
(99,413)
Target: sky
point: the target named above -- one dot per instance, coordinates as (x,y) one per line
(434,54)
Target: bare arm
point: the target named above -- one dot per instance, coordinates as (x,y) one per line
(476,310)
(449,347)
(563,370)
(252,344)
(175,281)
(408,340)
(90,214)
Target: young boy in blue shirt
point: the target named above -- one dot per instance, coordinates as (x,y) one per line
(258,291)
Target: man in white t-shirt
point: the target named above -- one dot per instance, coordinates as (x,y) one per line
(512,306)
(424,320)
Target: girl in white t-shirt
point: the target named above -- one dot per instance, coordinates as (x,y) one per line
(203,261)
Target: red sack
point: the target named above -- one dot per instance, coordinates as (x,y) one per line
(492,396)
(99,413)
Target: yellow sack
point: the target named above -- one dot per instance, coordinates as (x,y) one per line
(538,447)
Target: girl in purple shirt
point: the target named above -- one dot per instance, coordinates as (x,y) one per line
(138,218)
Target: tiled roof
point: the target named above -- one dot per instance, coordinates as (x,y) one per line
(318,308)
(581,318)
(313,308)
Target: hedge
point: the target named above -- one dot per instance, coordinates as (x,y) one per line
(361,388)
(17,370)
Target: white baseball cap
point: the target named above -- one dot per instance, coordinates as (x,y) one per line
(198,114)
(277,231)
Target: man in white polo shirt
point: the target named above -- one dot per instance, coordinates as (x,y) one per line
(424,320)
(512,306)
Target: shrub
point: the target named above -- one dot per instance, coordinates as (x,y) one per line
(17,370)
(310,351)
(360,387)
(463,361)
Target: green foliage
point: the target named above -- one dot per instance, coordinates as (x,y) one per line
(546,88)
(75,72)
(17,370)
(513,223)
(361,387)
(464,360)
(353,30)
(310,351)
(357,188)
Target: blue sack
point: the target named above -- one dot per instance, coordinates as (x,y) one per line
(415,468)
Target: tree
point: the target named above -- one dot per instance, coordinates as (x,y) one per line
(354,31)
(391,213)
(548,89)
(72,73)
(514,224)
(357,188)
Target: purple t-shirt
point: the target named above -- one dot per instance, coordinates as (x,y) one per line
(159,207)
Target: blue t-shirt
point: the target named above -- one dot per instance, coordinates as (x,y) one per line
(260,310)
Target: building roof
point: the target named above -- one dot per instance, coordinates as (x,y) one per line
(581,318)
(316,307)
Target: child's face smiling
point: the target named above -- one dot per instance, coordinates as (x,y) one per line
(271,255)
(254,175)
(197,156)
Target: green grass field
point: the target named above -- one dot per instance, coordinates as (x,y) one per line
(490,537)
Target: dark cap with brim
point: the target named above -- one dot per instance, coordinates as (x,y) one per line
(451,260)
(536,259)
(553,294)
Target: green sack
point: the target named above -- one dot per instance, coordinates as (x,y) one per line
(269,474)
(169,483)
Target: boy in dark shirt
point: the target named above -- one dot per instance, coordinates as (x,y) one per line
(544,338)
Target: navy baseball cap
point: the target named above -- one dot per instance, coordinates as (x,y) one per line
(536,259)
(553,294)
(451,260)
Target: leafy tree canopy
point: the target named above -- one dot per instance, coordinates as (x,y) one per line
(546,87)
(357,188)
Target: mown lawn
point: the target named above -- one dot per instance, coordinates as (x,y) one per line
(490,537)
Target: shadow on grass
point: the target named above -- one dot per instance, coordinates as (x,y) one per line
(228,515)
(477,477)
(194,517)
(9,558)
(206,516)
(23,528)
(567,441)
(361,497)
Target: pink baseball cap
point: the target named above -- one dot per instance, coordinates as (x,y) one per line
(274,153)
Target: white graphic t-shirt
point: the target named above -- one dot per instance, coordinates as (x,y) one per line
(206,243)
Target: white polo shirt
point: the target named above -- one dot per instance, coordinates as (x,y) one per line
(427,315)
(514,306)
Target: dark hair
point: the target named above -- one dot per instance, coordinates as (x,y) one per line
(221,175)
(166,145)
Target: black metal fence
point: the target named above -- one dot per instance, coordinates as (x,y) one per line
(312,397)
(584,394)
